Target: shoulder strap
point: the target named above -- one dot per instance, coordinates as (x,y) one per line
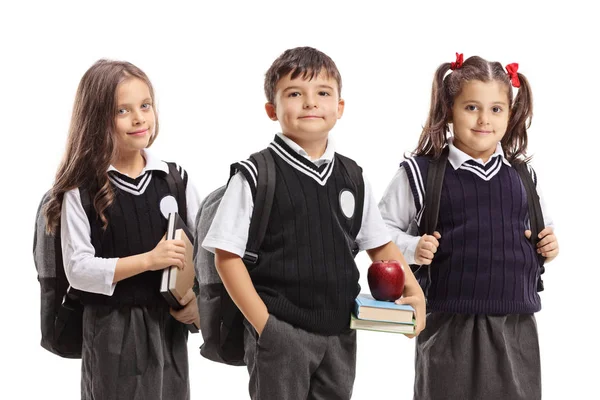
(355,172)
(263,202)
(177,185)
(86,200)
(536,218)
(231,317)
(433,193)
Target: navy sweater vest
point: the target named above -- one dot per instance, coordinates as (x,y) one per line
(306,273)
(135,226)
(484,264)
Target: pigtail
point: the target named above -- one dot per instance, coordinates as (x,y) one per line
(433,136)
(514,142)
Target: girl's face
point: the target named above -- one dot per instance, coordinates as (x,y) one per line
(480,117)
(134,117)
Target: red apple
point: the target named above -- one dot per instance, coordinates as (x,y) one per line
(386,280)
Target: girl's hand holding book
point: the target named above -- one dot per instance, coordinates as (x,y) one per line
(165,254)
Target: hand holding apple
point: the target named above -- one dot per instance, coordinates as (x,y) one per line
(386,280)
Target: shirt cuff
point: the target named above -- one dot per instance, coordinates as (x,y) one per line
(409,251)
(374,242)
(212,243)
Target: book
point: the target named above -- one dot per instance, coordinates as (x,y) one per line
(380,326)
(176,282)
(366,307)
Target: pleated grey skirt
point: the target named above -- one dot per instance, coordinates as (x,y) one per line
(133,353)
(478,357)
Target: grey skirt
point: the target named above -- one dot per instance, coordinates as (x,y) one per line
(133,353)
(478,357)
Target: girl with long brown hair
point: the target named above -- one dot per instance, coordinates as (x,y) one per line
(478,269)
(111,200)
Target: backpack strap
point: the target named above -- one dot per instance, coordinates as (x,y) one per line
(263,202)
(231,316)
(177,185)
(536,218)
(355,173)
(433,194)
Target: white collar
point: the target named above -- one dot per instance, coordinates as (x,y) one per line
(325,158)
(152,163)
(458,157)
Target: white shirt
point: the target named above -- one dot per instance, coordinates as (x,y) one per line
(229,229)
(83,270)
(398,209)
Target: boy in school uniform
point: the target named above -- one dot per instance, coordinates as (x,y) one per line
(298,298)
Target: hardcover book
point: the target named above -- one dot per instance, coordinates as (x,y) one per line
(366,307)
(176,282)
(380,326)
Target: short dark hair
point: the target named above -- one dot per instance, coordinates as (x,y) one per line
(305,61)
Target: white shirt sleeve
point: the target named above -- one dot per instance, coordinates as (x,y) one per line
(398,210)
(84,271)
(373,232)
(229,229)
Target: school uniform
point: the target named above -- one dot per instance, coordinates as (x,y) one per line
(306,274)
(132,347)
(481,338)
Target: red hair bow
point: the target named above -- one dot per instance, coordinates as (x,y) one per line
(512,73)
(458,63)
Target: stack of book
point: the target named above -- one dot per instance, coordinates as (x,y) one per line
(383,316)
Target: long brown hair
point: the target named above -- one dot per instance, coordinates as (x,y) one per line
(91,143)
(446,88)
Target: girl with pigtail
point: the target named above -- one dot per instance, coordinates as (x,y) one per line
(479,271)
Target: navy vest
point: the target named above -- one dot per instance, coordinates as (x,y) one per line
(484,264)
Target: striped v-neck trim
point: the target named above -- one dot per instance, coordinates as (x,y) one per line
(135,186)
(286,153)
(486,172)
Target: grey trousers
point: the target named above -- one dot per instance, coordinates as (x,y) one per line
(478,357)
(133,353)
(289,363)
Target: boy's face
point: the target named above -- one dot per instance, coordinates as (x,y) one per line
(306,109)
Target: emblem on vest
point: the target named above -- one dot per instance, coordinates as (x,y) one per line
(347,203)
(168,205)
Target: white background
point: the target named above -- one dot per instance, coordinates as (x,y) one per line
(207,62)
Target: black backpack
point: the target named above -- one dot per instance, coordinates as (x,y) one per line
(221,322)
(433,192)
(61,311)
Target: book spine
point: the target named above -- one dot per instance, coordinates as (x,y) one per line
(171,227)
(356,309)
(173,303)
